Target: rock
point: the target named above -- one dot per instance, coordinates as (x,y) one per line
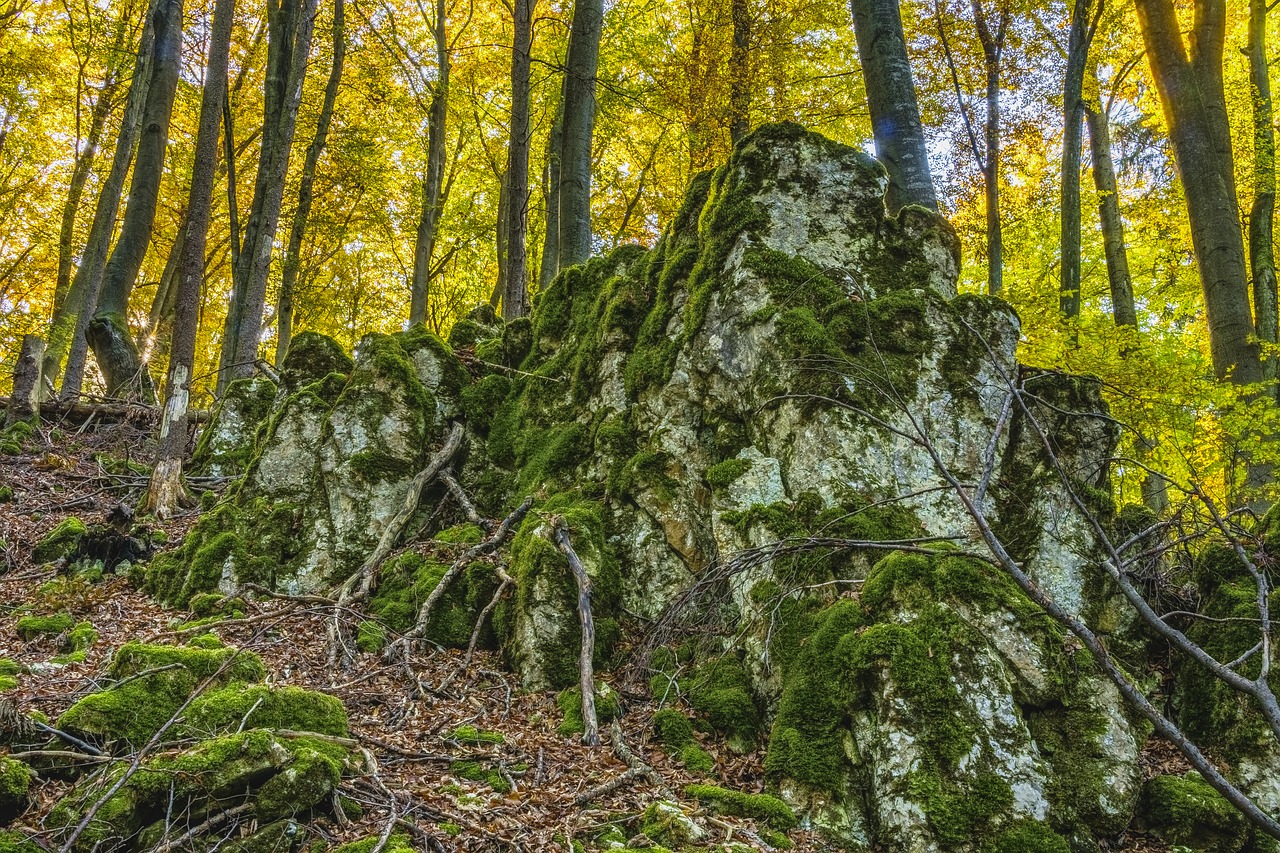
(60,542)
(227,444)
(15,784)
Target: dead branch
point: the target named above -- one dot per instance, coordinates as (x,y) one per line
(464,500)
(586,675)
(80,411)
(627,757)
(628,776)
(216,820)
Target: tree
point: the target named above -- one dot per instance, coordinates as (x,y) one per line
(165,490)
(515,299)
(891,100)
(740,72)
(108,332)
(433,181)
(292,258)
(581,66)
(68,331)
(1188,76)
(290,24)
(1113,241)
(1073,109)
(1262,261)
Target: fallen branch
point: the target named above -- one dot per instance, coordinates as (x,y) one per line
(505,584)
(586,675)
(627,757)
(464,500)
(628,776)
(215,820)
(80,411)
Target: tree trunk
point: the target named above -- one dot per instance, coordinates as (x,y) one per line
(551,188)
(992,56)
(433,186)
(24,404)
(581,66)
(290,25)
(82,297)
(1262,259)
(160,316)
(108,333)
(1073,116)
(891,100)
(1191,92)
(515,297)
(740,72)
(292,258)
(1113,242)
(165,491)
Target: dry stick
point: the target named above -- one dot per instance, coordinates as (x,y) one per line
(587,679)
(628,776)
(71,739)
(506,582)
(629,758)
(488,546)
(358,587)
(464,500)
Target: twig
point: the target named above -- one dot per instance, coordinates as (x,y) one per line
(628,776)
(586,675)
(215,820)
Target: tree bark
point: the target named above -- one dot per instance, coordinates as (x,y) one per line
(891,100)
(290,25)
(433,185)
(24,404)
(1113,240)
(581,66)
(515,297)
(165,491)
(293,254)
(1191,92)
(113,346)
(1073,116)
(740,72)
(1262,259)
(82,296)
(551,188)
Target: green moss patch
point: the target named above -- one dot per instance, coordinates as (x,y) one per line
(407,581)
(1187,811)
(762,807)
(60,542)
(261,707)
(608,707)
(675,733)
(15,786)
(32,627)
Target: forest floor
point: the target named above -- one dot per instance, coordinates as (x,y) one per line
(398,712)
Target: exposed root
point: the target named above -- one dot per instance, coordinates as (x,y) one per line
(586,675)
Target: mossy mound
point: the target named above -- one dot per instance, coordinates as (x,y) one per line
(153,682)
(675,733)
(18,842)
(31,627)
(15,786)
(769,810)
(1186,811)
(312,357)
(261,707)
(276,777)
(409,579)
(60,542)
(608,708)
(396,843)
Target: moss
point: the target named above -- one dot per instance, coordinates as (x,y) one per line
(721,689)
(475,771)
(60,542)
(81,638)
(452,375)
(410,578)
(248,402)
(722,474)
(471,736)
(306,782)
(665,824)
(396,843)
(15,786)
(6,494)
(569,700)
(770,810)
(208,604)
(371,637)
(462,534)
(8,682)
(17,841)
(1070,737)
(1185,810)
(262,707)
(957,814)
(1028,836)
(482,399)
(9,666)
(31,627)
(154,682)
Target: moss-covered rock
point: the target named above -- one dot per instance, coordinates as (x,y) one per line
(608,708)
(31,627)
(261,707)
(61,541)
(153,682)
(1186,811)
(227,444)
(675,733)
(762,807)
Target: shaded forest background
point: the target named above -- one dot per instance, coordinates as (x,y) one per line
(677,83)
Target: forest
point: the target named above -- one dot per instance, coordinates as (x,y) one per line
(733,425)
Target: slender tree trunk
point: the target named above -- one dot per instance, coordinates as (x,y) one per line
(1191,92)
(233,202)
(433,185)
(293,254)
(992,57)
(740,72)
(1262,259)
(515,297)
(891,100)
(551,187)
(160,317)
(62,324)
(1113,241)
(1073,116)
(24,402)
(165,491)
(108,333)
(82,296)
(581,66)
(290,26)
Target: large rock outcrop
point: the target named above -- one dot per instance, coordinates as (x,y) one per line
(789,364)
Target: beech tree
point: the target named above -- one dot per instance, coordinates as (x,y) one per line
(108,332)
(891,100)
(1262,261)
(515,299)
(433,196)
(578,126)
